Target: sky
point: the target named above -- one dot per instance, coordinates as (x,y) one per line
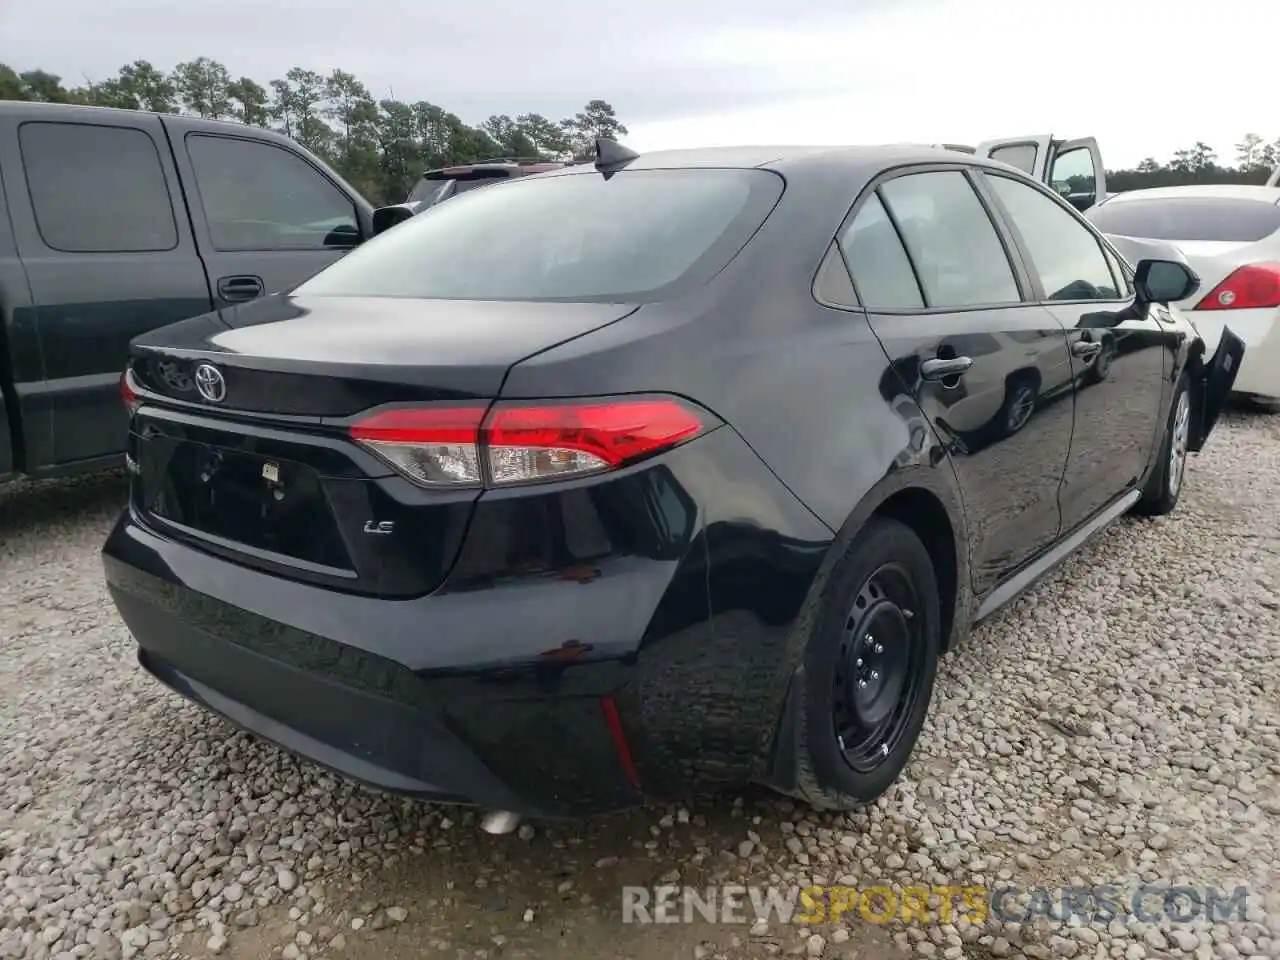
(1145,77)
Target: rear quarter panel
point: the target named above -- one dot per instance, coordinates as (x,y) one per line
(807,387)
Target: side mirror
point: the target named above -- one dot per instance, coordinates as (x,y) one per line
(384,218)
(1164,281)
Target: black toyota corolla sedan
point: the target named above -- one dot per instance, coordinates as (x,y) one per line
(671,470)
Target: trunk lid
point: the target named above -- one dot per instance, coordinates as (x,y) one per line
(267,476)
(335,356)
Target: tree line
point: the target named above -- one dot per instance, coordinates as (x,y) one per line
(1255,158)
(381,146)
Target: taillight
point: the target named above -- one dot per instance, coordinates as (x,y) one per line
(128,395)
(519,442)
(1249,288)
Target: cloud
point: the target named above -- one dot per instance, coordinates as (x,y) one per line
(685,73)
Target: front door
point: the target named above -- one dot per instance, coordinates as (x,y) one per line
(1120,352)
(991,371)
(265,217)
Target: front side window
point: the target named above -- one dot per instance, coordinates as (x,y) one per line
(639,235)
(257,196)
(957,253)
(1063,250)
(97,189)
(1121,272)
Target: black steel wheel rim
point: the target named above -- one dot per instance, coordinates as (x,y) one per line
(879,674)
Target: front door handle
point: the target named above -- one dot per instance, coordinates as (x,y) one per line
(940,369)
(240,288)
(1085,348)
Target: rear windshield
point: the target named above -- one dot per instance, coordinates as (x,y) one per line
(640,235)
(1227,219)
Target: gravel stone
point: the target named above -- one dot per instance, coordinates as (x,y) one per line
(1119,724)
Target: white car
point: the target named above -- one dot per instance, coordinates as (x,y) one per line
(1230,235)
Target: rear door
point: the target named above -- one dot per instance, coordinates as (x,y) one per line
(990,371)
(1072,168)
(107,254)
(266,216)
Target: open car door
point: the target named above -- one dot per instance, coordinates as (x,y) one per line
(1071,167)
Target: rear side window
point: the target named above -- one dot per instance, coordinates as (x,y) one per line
(640,235)
(952,242)
(257,196)
(97,189)
(877,261)
(1224,219)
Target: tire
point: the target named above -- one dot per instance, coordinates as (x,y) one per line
(1164,485)
(1019,404)
(883,596)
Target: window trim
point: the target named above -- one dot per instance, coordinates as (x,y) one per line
(906,250)
(969,170)
(35,212)
(1032,271)
(204,210)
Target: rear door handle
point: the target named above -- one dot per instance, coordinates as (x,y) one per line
(940,369)
(240,288)
(1085,348)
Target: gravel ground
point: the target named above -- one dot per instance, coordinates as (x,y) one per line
(1121,724)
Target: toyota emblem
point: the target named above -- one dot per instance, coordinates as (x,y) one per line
(210,383)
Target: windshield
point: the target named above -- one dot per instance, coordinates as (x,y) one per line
(427,190)
(1224,219)
(638,235)
(431,191)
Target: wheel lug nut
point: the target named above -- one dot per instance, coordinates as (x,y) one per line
(879,648)
(875,674)
(862,683)
(858,662)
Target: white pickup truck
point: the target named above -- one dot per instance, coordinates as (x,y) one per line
(1071,167)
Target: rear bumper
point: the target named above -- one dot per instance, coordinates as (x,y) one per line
(462,736)
(595,643)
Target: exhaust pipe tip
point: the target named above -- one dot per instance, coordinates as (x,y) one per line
(498,822)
